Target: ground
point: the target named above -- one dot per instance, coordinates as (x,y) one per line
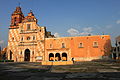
(95,70)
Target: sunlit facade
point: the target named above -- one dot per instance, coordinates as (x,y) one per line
(27,41)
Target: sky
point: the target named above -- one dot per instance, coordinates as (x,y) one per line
(66,17)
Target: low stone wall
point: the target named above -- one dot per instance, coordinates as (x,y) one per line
(57,62)
(86,58)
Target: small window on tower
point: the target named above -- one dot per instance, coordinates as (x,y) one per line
(15,21)
(28,26)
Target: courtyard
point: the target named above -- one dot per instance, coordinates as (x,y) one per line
(94,70)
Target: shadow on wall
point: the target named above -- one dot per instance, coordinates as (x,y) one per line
(106,51)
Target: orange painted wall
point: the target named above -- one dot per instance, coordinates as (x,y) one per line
(72,46)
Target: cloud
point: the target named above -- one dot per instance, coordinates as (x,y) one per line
(1,41)
(57,34)
(118,21)
(73,32)
(86,31)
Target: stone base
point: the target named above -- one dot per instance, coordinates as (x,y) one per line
(57,62)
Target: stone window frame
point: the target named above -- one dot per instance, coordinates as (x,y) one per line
(28,26)
(95,44)
(28,38)
(21,52)
(22,27)
(63,45)
(34,37)
(22,38)
(15,21)
(33,52)
(102,37)
(13,39)
(80,45)
(51,45)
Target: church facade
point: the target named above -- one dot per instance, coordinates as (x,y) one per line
(27,41)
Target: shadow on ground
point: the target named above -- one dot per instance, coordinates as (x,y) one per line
(78,71)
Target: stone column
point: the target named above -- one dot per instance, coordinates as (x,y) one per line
(54,56)
(61,56)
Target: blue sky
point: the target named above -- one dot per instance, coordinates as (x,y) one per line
(66,17)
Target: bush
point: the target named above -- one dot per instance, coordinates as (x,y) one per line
(6,60)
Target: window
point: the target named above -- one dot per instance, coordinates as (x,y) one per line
(32,52)
(102,37)
(119,43)
(15,21)
(28,38)
(118,49)
(28,26)
(33,37)
(11,54)
(21,27)
(22,39)
(12,38)
(95,44)
(81,45)
(21,53)
(50,45)
(29,20)
(63,45)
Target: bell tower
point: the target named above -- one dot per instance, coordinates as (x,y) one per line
(30,17)
(16,17)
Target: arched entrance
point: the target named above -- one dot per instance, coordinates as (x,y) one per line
(51,57)
(27,55)
(11,55)
(57,57)
(64,56)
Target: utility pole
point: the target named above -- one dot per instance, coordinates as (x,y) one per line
(117,54)
(0,52)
